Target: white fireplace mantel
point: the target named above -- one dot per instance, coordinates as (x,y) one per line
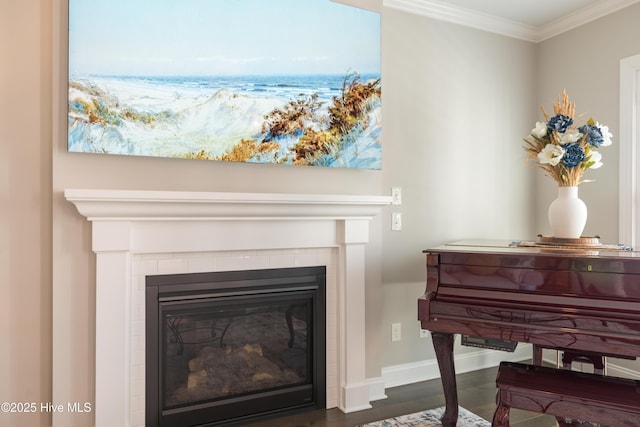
(127,223)
(99,205)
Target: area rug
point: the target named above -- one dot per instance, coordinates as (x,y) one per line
(431,418)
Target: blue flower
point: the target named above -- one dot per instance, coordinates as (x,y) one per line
(573,154)
(594,135)
(559,123)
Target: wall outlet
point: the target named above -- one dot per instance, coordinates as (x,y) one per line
(424,333)
(396,331)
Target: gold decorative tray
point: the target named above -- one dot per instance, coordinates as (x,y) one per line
(581,242)
(583,245)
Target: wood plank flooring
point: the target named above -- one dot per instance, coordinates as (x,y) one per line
(476,392)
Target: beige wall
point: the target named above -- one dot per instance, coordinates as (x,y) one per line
(457,103)
(25,207)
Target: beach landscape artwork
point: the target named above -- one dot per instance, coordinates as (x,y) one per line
(263,81)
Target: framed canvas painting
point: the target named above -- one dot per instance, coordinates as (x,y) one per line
(268,81)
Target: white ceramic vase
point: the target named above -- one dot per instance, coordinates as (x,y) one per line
(567,214)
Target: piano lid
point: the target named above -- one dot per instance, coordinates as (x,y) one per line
(524,247)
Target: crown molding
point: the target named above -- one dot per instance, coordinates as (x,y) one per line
(580,17)
(482,21)
(465,17)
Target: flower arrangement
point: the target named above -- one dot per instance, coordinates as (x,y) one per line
(563,150)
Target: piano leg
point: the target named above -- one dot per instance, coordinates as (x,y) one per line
(443,346)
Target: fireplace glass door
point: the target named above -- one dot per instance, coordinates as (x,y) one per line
(237,347)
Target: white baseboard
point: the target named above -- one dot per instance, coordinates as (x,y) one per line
(376,388)
(620,371)
(611,370)
(408,373)
(428,369)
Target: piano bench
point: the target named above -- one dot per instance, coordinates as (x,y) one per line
(574,395)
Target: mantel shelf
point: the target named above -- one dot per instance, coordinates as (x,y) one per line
(98,205)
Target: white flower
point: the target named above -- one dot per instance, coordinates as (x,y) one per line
(571,135)
(551,154)
(540,131)
(595,157)
(606,135)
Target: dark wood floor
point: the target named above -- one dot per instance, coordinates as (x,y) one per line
(476,391)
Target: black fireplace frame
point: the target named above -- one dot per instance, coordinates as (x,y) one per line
(305,281)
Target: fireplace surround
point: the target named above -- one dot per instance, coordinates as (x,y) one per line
(141,233)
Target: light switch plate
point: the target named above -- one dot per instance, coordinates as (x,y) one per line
(396,195)
(396,221)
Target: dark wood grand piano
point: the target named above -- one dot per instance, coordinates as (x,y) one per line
(575,300)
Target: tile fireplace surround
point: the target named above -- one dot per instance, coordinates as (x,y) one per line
(138,233)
